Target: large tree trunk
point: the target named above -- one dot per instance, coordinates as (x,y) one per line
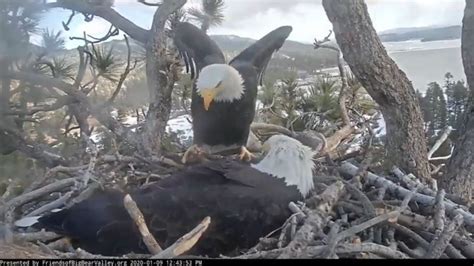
(459,178)
(384,81)
(160,78)
(160,103)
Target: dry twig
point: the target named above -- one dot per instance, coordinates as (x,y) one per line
(440,242)
(27,197)
(186,242)
(139,220)
(439,211)
(52,205)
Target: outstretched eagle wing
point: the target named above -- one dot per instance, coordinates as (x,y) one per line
(196,48)
(260,53)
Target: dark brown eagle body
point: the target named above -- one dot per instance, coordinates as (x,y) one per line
(244,204)
(226,123)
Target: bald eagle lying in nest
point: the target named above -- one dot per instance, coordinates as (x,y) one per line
(245,202)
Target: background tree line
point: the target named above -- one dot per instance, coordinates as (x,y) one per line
(443,105)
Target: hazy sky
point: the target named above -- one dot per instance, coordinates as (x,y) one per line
(254,18)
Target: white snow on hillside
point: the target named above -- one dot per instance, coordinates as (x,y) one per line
(287,57)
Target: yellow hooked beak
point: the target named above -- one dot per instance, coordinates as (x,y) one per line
(208,96)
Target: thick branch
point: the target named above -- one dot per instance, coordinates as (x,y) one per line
(349,169)
(336,139)
(104,118)
(372,248)
(161,77)
(409,233)
(52,205)
(27,197)
(440,242)
(58,104)
(107,13)
(33,150)
(41,235)
(314,222)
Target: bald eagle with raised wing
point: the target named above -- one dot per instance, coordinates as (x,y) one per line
(244,201)
(224,94)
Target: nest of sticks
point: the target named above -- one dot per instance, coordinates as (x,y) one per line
(352,213)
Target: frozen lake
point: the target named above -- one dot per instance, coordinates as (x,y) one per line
(424,62)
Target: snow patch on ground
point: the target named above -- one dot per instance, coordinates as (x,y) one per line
(381,129)
(130,121)
(182,127)
(179,126)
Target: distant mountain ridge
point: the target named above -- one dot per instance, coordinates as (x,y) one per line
(295,56)
(307,57)
(425,34)
(408,29)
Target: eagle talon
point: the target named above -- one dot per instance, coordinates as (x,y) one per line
(192,154)
(245,155)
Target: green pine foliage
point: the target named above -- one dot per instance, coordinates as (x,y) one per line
(442,108)
(106,62)
(457,96)
(210,14)
(314,106)
(435,108)
(322,97)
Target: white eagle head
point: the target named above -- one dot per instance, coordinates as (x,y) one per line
(287,158)
(219,83)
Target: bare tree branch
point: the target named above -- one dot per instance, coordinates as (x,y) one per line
(52,205)
(27,197)
(34,150)
(123,76)
(107,13)
(58,104)
(105,118)
(440,141)
(343,75)
(148,3)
